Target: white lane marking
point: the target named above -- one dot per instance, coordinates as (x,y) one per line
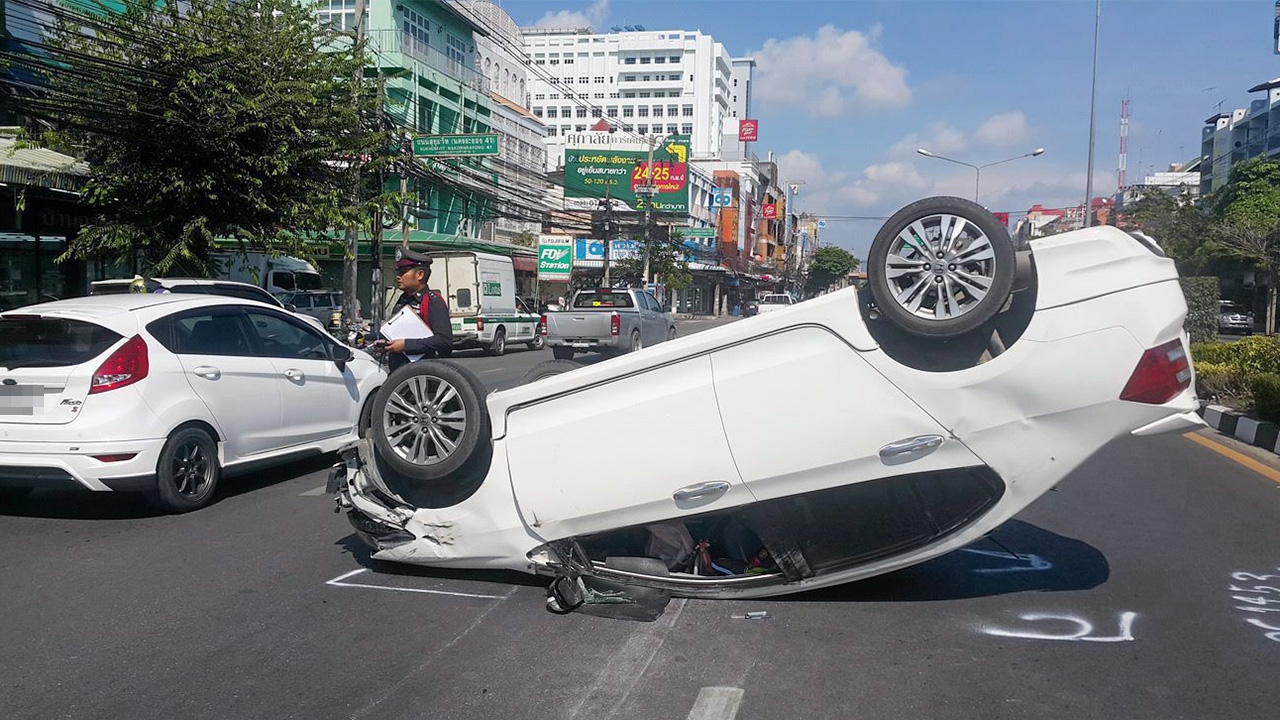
(430,658)
(314,492)
(338,582)
(716,703)
(622,671)
(1083,628)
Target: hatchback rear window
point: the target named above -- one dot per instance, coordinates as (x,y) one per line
(605,299)
(35,341)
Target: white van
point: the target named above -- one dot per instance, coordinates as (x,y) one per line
(481,291)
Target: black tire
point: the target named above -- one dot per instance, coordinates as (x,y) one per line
(187,472)
(366,416)
(671,333)
(561,352)
(538,342)
(637,343)
(547,369)
(951,268)
(453,414)
(499,344)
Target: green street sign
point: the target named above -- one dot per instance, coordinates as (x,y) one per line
(455,145)
(555,258)
(696,232)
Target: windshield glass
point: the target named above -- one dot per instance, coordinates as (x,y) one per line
(603,299)
(307,281)
(32,341)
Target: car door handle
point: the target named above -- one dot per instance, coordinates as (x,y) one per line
(295,374)
(207,371)
(920,445)
(700,490)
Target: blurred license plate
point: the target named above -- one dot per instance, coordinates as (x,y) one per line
(21,399)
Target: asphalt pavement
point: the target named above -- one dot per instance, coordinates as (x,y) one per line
(1145,586)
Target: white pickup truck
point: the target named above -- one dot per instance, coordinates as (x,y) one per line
(608,321)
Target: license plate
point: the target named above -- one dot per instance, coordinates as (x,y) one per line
(24,400)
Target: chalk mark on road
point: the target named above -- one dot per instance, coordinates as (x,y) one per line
(339,582)
(624,669)
(1082,632)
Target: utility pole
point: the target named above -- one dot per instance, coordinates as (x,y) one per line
(649,190)
(608,220)
(351,258)
(375,237)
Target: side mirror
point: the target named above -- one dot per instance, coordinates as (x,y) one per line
(341,355)
(291,307)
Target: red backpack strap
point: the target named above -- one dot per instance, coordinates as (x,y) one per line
(425,305)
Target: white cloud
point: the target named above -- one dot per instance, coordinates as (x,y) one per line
(1006,129)
(594,16)
(939,138)
(830,73)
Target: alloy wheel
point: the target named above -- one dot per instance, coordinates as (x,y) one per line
(192,469)
(424,419)
(940,266)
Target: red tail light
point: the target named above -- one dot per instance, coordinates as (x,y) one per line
(479,324)
(118,457)
(542,325)
(1162,374)
(615,325)
(126,366)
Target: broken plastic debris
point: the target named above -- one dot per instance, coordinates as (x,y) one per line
(756,615)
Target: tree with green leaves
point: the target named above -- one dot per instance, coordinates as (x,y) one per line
(667,256)
(1183,230)
(1247,211)
(831,264)
(207,119)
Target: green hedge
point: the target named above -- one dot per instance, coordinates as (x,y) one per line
(1250,355)
(1266,395)
(1202,308)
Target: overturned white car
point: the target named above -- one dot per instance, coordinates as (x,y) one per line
(843,437)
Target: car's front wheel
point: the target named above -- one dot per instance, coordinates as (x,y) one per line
(429,420)
(941,267)
(187,472)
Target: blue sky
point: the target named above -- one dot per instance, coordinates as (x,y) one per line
(976,80)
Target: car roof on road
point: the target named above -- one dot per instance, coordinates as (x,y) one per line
(102,306)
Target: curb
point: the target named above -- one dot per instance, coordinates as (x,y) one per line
(1257,433)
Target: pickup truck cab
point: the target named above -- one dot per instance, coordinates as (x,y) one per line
(608,321)
(775,301)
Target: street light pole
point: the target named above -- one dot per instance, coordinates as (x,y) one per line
(1093,100)
(977,180)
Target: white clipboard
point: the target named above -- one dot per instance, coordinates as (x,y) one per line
(406,325)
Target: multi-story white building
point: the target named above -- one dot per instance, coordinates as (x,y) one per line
(643,82)
(1231,138)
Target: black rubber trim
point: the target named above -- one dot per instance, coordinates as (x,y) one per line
(38,477)
(131,483)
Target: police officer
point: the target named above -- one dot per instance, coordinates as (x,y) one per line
(412,272)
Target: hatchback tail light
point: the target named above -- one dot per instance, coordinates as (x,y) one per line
(1162,374)
(615,325)
(126,366)
(542,325)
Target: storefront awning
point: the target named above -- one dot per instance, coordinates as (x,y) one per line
(40,167)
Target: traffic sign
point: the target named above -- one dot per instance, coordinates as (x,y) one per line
(822,224)
(455,145)
(699,232)
(721,197)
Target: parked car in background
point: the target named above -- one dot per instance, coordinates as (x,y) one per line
(164,394)
(609,321)
(750,308)
(775,301)
(319,304)
(1234,319)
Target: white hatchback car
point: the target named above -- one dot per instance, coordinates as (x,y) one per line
(165,393)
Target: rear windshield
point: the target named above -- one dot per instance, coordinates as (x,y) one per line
(605,299)
(776,300)
(32,341)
